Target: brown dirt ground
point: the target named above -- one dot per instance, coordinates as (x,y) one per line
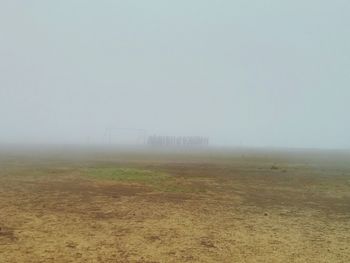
(250,207)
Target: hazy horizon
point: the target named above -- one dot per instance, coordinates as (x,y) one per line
(243,73)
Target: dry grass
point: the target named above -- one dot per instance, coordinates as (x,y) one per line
(142,207)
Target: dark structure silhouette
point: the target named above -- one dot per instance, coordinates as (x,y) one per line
(188,141)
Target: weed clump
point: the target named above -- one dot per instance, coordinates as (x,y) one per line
(274,167)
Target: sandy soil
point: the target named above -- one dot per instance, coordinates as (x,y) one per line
(242,207)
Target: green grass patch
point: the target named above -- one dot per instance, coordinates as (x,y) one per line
(159,181)
(128,175)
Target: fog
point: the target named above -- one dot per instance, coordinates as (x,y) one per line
(243,73)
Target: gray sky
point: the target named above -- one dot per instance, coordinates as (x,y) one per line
(246,73)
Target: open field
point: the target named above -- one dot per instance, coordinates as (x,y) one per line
(100,205)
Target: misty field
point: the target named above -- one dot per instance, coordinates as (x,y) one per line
(101,205)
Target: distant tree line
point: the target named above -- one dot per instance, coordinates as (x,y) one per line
(156,140)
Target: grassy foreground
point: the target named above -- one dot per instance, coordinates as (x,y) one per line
(251,207)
